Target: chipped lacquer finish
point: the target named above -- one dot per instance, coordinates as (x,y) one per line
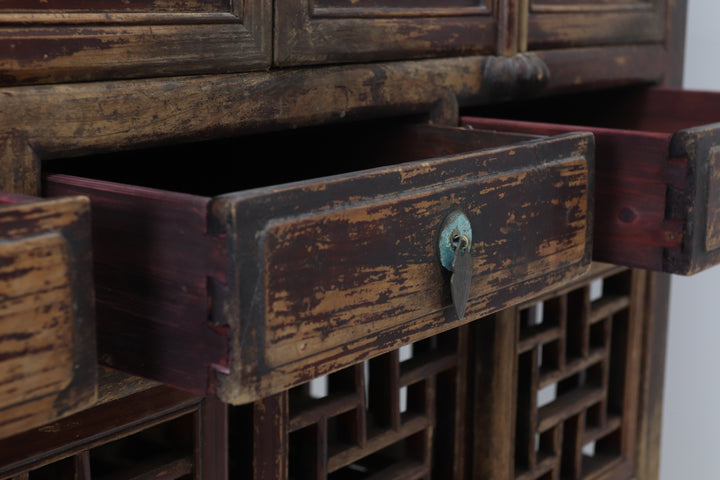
(305,278)
(47,336)
(658,184)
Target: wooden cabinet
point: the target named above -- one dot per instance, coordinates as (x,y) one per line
(310,156)
(68,41)
(47,330)
(254,289)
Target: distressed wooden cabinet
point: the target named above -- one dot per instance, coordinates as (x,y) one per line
(68,41)
(254,288)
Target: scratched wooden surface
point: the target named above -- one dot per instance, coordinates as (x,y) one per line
(111,40)
(382,30)
(47,337)
(351,270)
(562,23)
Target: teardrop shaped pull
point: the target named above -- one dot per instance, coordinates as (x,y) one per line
(462,275)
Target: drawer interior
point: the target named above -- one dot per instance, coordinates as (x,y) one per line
(215,167)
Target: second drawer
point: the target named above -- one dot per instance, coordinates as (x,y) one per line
(658,171)
(249,293)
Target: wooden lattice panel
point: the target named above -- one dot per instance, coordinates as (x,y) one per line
(397,416)
(578,364)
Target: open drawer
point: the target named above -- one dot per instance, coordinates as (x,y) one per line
(249,293)
(657,172)
(48,359)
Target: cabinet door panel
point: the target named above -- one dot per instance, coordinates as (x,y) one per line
(330,31)
(572,23)
(69,40)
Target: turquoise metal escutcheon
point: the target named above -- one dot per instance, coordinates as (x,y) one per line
(455,241)
(455,225)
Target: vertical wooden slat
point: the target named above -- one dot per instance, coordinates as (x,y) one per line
(577,322)
(462,408)
(527,412)
(446,403)
(607,329)
(633,356)
(652,379)
(82,466)
(361,412)
(211,434)
(351,426)
(494,393)
(321,449)
(270,434)
(557,449)
(430,395)
(572,447)
(557,308)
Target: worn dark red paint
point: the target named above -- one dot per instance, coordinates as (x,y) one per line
(653,207)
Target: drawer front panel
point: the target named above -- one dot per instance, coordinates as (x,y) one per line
(342,31)
(696,203)
(47,337)
(337,275)
(574,23)
(329,273)
(712,235)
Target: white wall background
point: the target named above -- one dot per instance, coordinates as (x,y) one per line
(691,416)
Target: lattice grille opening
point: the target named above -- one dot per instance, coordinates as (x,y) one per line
(378,419)
(575,393)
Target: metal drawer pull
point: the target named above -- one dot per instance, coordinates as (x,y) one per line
(455,242)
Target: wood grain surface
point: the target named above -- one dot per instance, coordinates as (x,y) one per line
(324,273)
(47,336)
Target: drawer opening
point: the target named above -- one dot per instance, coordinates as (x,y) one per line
(656,110)
(274,158)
